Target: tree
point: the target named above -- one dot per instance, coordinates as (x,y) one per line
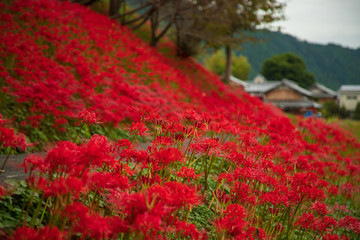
(214,22)
(289,66)
(239,64)
(357,111)
(331,109)
(240,67)
(244,15)
(216,62)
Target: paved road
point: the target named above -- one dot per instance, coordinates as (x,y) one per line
(13,169)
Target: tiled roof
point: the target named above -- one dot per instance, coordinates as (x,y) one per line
(326,91)
(261,87)
(267,86)
(238,81)
(349,88)
(296,87)
(296,104)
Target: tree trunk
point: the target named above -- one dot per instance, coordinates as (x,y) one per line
(178,39)
(89,2)
(228,64)
(114,7)
(153,26)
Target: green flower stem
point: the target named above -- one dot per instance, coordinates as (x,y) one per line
(36,213)
(3,166)
(28,207)
(78,133)
(23,205)
(187,148)
(291,220)
(44,210)
(217,188)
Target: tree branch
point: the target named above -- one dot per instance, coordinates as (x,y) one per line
(167,27)
(142,22)
(130,12)
(89,2)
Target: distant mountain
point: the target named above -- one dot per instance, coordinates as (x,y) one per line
(332,65)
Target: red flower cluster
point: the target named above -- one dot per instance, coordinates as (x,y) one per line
(8,137)
(208,147)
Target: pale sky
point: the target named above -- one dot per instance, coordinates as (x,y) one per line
(323,21)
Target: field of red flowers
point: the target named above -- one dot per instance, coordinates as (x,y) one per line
(146,146)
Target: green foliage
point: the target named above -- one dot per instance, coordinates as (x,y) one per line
(13,207)
(331,109)
(216,62)
(352,126)
(357,111)
(332,65)
(240,67)
(289,66)
(202,217)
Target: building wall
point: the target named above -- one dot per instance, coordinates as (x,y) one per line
(316,91)
(349,100)
(324,100)
(283,93)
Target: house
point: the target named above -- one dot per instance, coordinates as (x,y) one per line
(349,96)
(237,82)
(322,94)
(285,94)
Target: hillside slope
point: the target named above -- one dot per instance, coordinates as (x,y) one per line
(331,64)
(214,162)
(86,61)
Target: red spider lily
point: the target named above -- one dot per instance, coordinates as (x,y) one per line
(233,221)
(138,128)
(323,224)
(333,190)
(139,156)
(242,192)
(320,208)
(144,111)
(255,233)
(350,223)
(91,225)
(8,138)
(187,173)
(63,158)
(2,192)
(59,187)
(221,196)
(122,143)
(47,232)
(175,194)
(207,146)
(142,213)
(149,224)
(106,180)
(307,184)
(330,236)
(305,221)
(274,197)
(227,176)
(96,152)
(187,230)
(261,156)
(165,156)
(88,117)
(33,162)
(338,207)
(163,141)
